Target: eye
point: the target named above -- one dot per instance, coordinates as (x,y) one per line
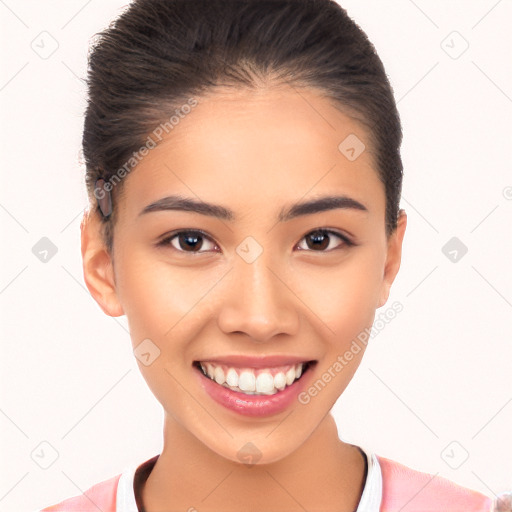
(321,239)
(186,241)
(190,241)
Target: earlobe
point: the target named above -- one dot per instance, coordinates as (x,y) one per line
(394,257)
(97,266)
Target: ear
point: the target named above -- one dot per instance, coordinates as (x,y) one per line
(394,257)
(98,266)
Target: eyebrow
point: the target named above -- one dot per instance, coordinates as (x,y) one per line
(322,204)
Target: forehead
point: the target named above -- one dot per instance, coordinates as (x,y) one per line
(258,149)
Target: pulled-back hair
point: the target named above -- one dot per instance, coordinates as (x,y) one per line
(146,68)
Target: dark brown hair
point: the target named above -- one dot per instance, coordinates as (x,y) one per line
(151,61)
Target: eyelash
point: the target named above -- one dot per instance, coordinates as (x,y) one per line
(166,242)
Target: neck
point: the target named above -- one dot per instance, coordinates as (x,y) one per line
(324,473)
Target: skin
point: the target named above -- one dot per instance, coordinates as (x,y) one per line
(254,152)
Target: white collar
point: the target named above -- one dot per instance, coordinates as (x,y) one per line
(370,499)
(125,499)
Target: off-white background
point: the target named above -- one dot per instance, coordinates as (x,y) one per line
(434,384)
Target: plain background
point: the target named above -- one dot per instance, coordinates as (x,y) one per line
(434,390)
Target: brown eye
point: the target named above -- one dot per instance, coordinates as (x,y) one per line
(192,241)
(187,241)
(320,240)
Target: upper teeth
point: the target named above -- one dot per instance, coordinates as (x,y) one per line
(262,380)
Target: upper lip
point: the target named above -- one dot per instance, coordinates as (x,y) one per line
(256,361)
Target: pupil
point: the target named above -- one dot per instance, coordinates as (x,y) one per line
(320,239)
(189,237)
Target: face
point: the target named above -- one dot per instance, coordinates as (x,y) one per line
(254,281)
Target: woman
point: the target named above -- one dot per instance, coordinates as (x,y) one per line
(244,174)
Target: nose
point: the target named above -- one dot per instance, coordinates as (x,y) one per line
(258,301)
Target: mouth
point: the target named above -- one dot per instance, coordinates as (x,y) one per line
(254,381)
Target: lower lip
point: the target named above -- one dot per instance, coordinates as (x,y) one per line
(254,405)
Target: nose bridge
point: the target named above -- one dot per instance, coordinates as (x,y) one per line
(259,303)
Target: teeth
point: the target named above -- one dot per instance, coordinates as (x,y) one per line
(232,377)
(266,382)
(219,375)
(247,381)
(290,376)
(280,380)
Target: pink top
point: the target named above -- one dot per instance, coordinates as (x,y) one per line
(407,490)
(389,487)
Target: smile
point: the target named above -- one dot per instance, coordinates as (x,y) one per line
(254,385)
(253,381)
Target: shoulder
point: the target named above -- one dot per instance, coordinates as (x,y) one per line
(101,496)
(409,490)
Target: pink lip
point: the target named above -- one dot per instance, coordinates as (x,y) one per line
(241,361)
(254,405)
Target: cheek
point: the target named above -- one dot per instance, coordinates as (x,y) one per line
(159,302)
(157,296)
(344,296)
